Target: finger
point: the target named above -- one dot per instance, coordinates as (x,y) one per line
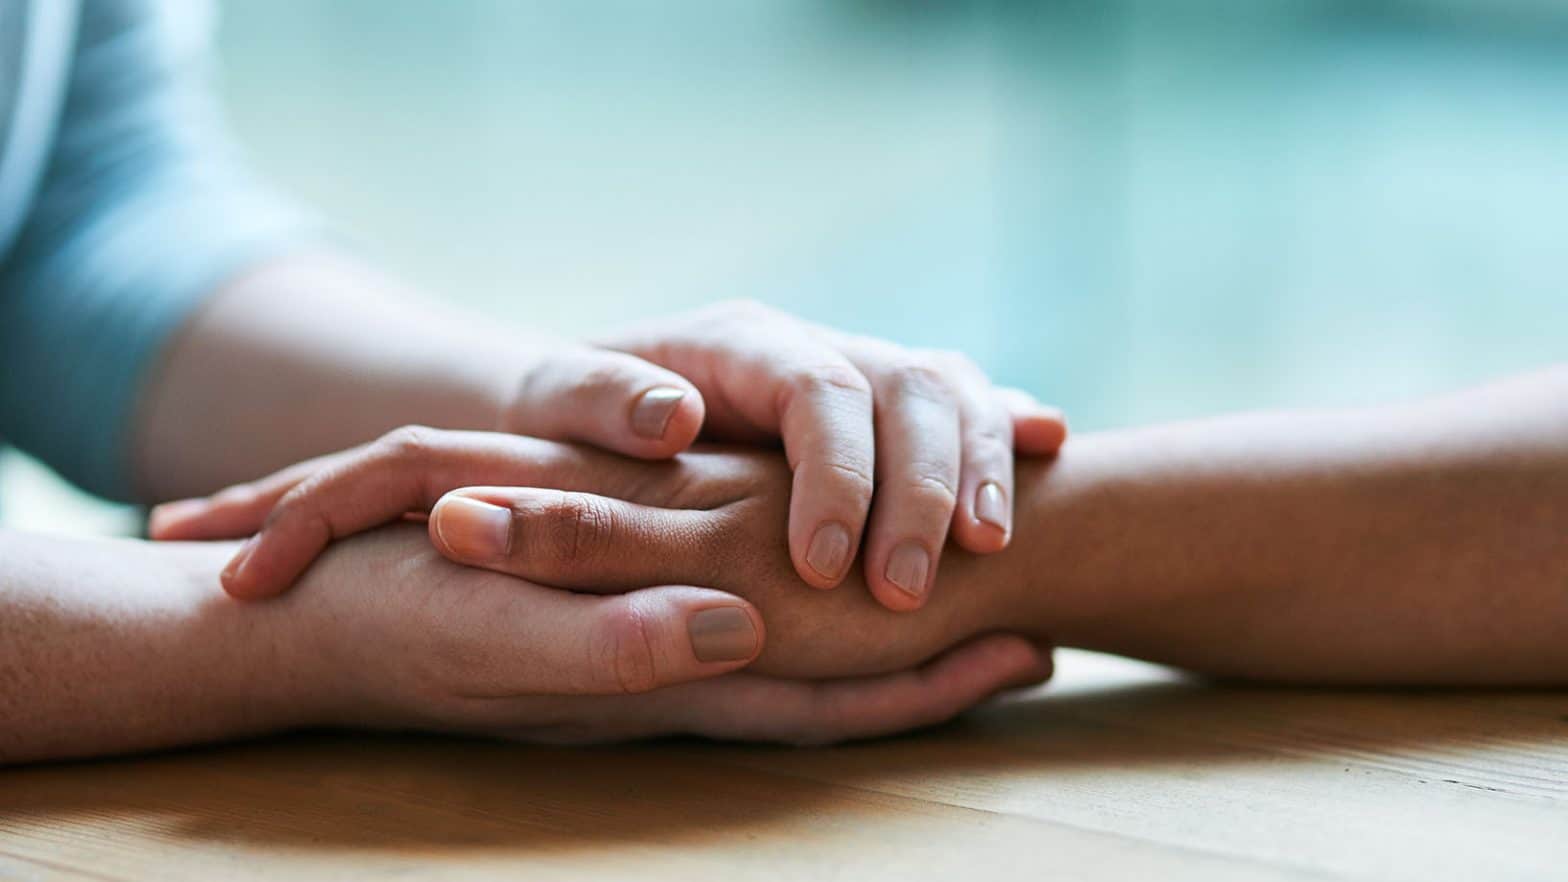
(917,429)
(408,470)
(763,376)
(524,639)
(983,519)
(573,540)
(609,399)
(753,708)
(825,419)
(1038,430)
(231,513)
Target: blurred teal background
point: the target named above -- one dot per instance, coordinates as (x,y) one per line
(1138,210)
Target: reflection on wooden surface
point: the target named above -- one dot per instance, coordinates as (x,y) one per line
(1118,771)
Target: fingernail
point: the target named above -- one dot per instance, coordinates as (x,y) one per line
(473,530)
(651,414)
(722,634)
(1052,415)
(991,505)
(240,558)
(828,550)
(907,567)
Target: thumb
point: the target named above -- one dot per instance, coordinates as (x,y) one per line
(575,644)
(609,399)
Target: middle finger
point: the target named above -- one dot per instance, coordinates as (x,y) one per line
(917,469)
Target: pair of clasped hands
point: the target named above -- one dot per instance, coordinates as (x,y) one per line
(600,578)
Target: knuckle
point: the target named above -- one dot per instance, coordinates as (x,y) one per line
(623,651)
(855,477)
(989,438)
(579,529)
(922,380)
(830,379)
(408,443)
(990,424)
(300,503)
(933,489)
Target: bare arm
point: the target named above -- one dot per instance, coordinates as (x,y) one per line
(110,646)
(1424,543)
(306,355)
(117,646)
(310,355)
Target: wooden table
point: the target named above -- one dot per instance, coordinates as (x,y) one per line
(1118,771)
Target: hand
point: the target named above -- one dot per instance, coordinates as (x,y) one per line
(710,518)
(941,452)
(384,632)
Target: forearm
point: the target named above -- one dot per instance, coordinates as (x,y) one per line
(115,646)
(1421,544)
(308,355)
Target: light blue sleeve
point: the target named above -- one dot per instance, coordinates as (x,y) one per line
(144,210)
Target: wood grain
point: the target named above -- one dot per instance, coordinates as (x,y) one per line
(1117,771)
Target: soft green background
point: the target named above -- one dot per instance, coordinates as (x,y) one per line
(1138,210)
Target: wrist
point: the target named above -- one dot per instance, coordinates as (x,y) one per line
(252,659)
(130,646)
(1126,531)
(1070,543)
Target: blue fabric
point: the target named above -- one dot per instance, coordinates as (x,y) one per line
(143,210)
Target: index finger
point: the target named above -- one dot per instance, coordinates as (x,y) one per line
(825,419)
(779,381)
(407,471)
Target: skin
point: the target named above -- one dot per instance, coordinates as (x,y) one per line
(1418,544)
(311,354)
(114,646)
(618,525)
(1414,544)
